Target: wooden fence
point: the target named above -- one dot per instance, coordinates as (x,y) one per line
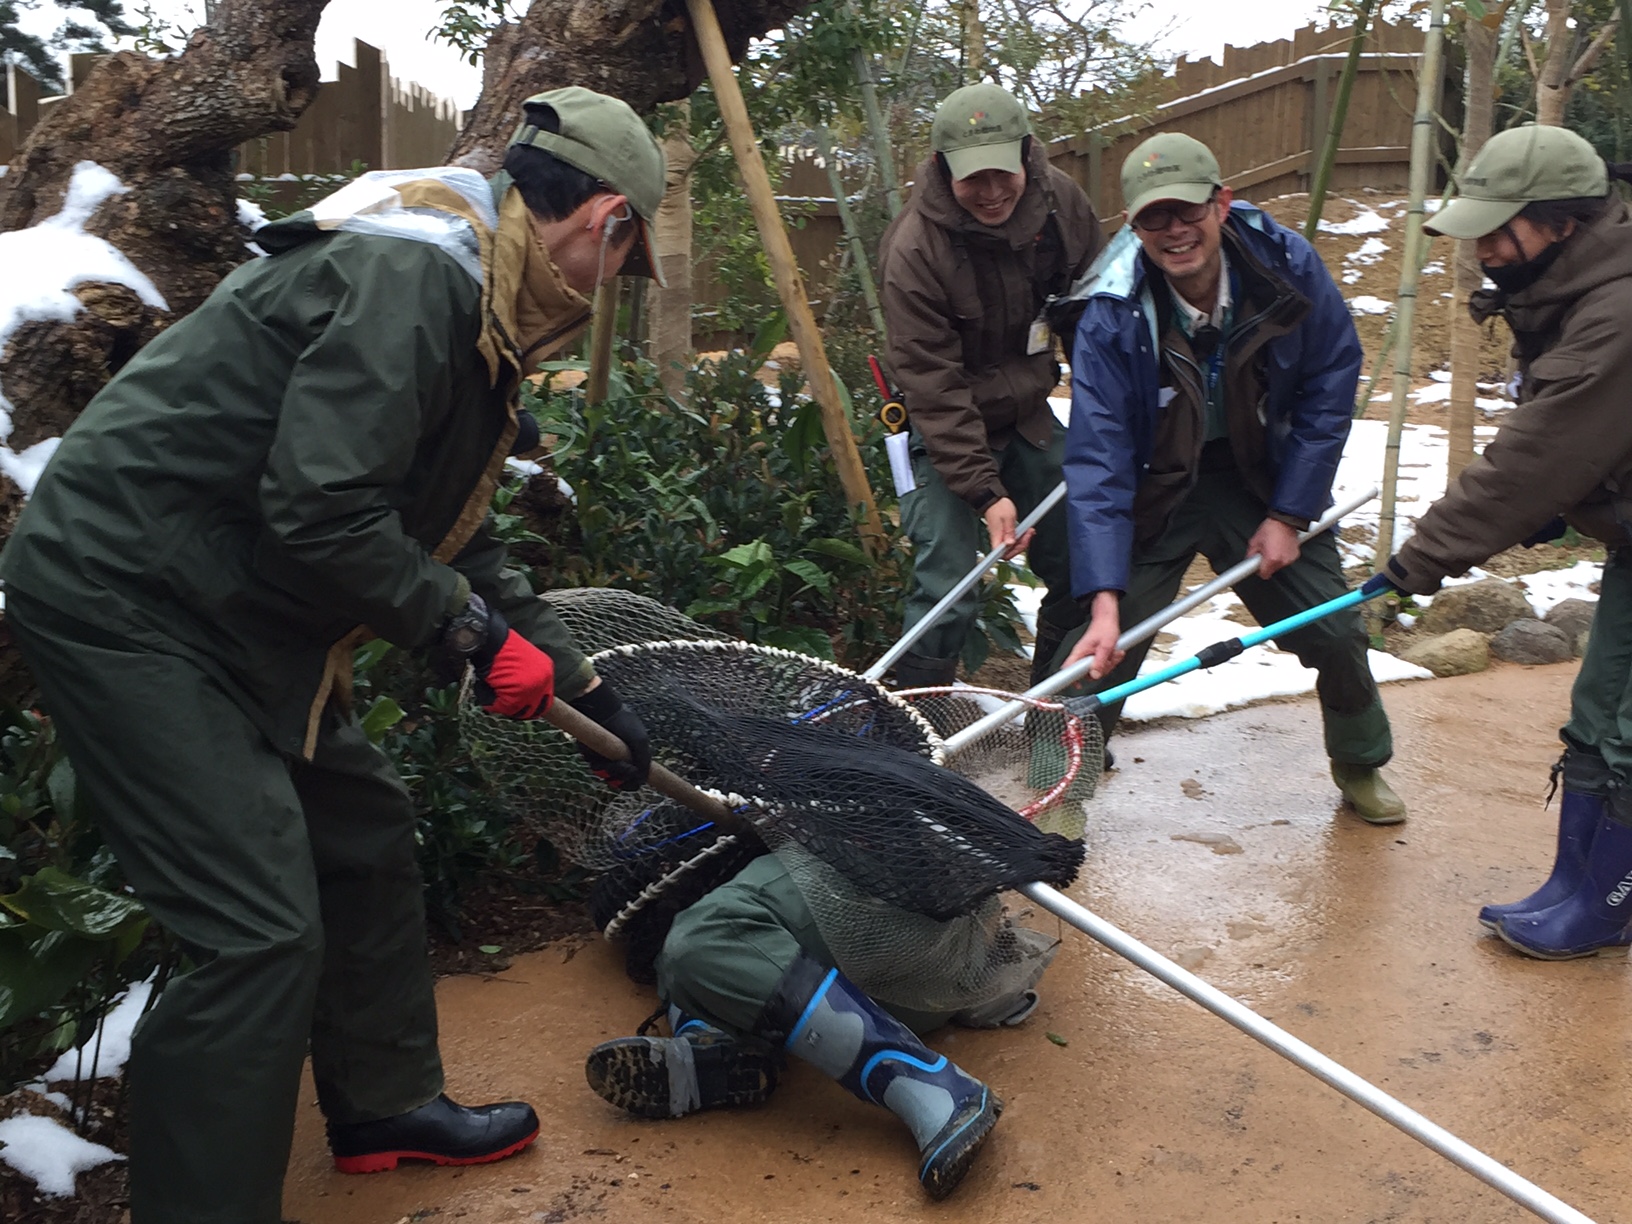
(364,115)
(1264,113)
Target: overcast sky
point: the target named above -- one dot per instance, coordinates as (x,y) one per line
(1193,27)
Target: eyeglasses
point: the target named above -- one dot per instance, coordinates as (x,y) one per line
(1157,218)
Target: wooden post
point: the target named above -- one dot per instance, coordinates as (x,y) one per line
(603,329)
(790,285)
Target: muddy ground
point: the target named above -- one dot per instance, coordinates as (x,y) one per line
(1218,843)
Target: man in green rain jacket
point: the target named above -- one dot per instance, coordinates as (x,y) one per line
(303,462)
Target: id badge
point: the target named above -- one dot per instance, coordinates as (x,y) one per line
(1038,339)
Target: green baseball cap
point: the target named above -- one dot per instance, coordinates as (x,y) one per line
(1519,167)
(980,127)
(1169,166)
(603,137)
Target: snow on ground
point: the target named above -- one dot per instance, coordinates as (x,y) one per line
(1365,221)
(49,1153)
(43,263)
(110,1046)
(1365,303)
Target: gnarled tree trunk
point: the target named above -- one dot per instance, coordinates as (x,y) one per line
(639,50)
(166,128)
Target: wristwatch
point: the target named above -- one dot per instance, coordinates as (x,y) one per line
(466,631)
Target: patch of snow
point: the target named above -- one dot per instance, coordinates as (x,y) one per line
(114,1033)
(1437,268)
(25,468)
(1547,588)
(1366,221)
(1365,303)
(1062,408)
(43,264)
(1351,276)
(1370,251)
(48,1153)
(1433,393)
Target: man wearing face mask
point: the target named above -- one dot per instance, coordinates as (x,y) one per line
(302,463)
(1212,382)
(1557,244)
(991,236)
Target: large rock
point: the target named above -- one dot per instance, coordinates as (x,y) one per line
(1456,653)
(1533,641)
(1574,616)
(1489,606)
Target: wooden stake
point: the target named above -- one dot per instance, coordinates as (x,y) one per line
(790,286)
(603,329)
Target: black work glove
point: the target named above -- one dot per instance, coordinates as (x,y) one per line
(1379,584)
(1546,534)
(603,705)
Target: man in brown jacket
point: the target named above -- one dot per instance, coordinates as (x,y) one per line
(993,233)
(1558,246)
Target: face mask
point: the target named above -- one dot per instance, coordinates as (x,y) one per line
(1516,278)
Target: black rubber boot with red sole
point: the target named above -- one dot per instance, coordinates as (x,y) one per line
(440,1132)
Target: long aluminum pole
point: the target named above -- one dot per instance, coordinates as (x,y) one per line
(1067,676)
(910,638)
(1488,1170)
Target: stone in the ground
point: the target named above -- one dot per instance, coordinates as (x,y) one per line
(1488,606)
(1574,616)
(1532,641)
(1456,653)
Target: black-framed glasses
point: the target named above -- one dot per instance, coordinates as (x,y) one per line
(1158,217)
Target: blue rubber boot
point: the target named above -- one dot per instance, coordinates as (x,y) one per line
(836,1028)
(1596,919)
(1586,785)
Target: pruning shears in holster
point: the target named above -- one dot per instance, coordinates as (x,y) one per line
(893,416)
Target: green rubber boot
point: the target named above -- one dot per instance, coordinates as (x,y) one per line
(1369,793)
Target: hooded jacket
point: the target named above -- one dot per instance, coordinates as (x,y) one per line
(1566,449)
(1133,448)
(308,457)
(960,298)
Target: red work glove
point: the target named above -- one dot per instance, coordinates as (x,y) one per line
(519,681)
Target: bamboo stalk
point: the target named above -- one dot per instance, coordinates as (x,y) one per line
(1340,114)
(1424,126)
(852,232)
(1480,108)
(882,155)
(790,285)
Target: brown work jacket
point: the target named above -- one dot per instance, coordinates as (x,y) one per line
(959,300)
(1566,449)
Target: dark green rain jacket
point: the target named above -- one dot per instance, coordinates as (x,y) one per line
(277,469)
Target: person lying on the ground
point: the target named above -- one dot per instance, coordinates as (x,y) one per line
(306,460)
(1556,242)
(992,234)
(746,977)
(1212,382)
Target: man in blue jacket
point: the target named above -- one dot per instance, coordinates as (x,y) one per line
(1212,381)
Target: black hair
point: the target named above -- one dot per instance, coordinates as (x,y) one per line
(1554,215)
(551,188)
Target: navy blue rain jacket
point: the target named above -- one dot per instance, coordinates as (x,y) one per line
(1311,374)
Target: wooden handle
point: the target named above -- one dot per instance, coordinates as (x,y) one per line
(597,738)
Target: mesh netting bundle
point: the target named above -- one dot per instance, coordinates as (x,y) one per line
(899,859)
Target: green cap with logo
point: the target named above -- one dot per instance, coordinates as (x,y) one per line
(1519,167)
(603,137)
(1169,166)
(980,127)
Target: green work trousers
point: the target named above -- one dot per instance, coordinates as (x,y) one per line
(1601,702)
(1217,519)
(725,954)
(294,890)
(948,537)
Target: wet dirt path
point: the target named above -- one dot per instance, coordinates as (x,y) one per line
(1220,846)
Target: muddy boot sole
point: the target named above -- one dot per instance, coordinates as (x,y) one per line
(635,1074)
(954,1149)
